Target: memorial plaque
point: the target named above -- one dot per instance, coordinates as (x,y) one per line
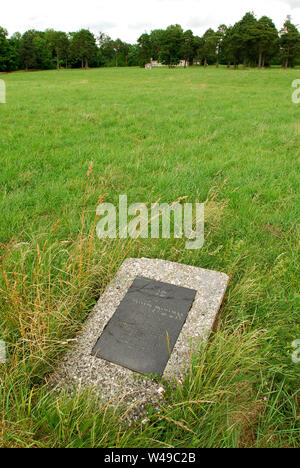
(144,328)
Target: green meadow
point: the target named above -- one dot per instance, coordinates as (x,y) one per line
(229,138)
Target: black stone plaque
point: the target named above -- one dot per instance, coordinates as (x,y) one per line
(144,329)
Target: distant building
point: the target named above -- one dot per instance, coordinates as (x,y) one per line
(183,63)
(155,63)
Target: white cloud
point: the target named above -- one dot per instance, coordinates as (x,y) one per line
(196,22)
(141,26)
(128,20)
(102,26)
(292,3)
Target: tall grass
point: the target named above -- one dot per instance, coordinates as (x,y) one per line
(47,289)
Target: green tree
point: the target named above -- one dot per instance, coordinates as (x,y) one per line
(209,48)
(59,41)
(83,47)
(8,54)
(28,53)
(188,47)
(228,47)
(198,49)
(144,49)
(133,55)
(106,49)
(244,39)
(220,37)
(267,40)
(119,48)
(44,58)
(125,51)
(156,41)
(289,43)
(15,41)
(4,49)
(35,51)
(172,41)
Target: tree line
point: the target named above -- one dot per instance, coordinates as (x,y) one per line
(252,42)
(44,50)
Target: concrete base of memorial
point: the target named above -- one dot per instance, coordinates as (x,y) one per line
(80,368)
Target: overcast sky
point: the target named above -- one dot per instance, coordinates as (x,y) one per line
(128,19)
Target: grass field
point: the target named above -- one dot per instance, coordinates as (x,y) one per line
(229,138)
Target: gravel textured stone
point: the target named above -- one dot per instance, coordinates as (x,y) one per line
(116,383)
